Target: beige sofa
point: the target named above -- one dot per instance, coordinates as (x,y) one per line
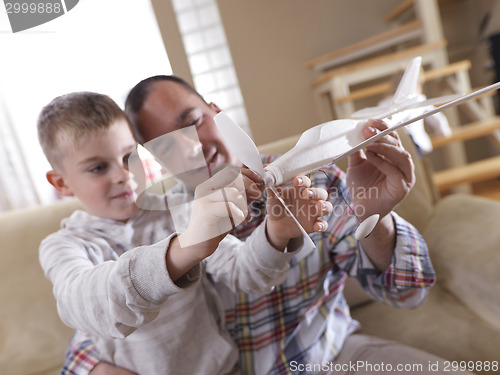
(460,321)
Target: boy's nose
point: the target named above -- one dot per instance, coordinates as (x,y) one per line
(121,174)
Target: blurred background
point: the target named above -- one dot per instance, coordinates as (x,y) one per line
(269,64)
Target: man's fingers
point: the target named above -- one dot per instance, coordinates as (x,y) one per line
(314,193)
(391,159)
(251,175)
(320,225)
(324,207)
(301,181)
(373,127)
(376,123)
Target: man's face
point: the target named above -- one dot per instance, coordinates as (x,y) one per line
(170,107)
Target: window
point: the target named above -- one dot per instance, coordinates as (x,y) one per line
(209,57)
(103,46)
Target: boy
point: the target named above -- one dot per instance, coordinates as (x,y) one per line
(121,274)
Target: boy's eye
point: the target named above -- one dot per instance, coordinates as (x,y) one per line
(97,169)
(196,122)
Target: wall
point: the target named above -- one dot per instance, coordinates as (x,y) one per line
(271,39)
(461,20)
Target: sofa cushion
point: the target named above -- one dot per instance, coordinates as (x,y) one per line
(33,339)
(464,240)
(442,326)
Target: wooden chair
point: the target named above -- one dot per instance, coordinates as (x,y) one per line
(377,56)
(485,124)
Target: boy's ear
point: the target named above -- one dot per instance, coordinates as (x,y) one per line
(215,107)
(56,179)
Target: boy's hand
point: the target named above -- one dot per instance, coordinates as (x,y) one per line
(220,203)
(306,203)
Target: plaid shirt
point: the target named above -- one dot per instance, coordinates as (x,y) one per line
(306,319)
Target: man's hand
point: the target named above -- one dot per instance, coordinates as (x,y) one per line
(377,181)
(253,185)
(307,205)
(380,178)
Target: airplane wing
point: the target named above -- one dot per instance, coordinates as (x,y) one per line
(385,112)
(421,116)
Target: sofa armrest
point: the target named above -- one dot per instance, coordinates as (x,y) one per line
(464,242)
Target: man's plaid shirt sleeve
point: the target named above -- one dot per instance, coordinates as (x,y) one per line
(81,356)
(406,282)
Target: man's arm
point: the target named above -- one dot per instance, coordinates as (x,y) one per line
(405,281)
(81,357)
(307,204)
(392,263)
(378,180)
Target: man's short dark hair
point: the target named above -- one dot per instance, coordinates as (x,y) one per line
(138,95)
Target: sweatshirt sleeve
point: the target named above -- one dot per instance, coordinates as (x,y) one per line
(253,265)
(109,298)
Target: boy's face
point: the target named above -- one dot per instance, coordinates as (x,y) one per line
(96,172)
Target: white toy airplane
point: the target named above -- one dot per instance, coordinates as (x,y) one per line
(407,96)
(329,142)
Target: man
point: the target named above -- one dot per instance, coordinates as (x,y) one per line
(306,320)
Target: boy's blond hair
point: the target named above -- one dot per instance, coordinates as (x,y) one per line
(71,117)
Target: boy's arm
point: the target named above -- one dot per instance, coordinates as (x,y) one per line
(116,297)
(110,298)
